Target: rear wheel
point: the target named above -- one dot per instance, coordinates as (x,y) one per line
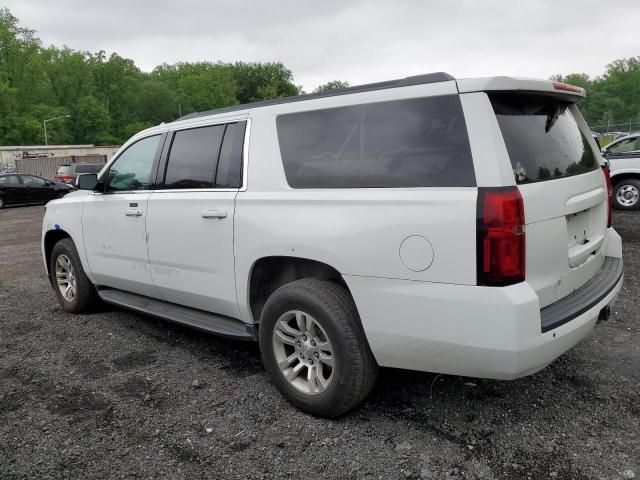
(314,348)
(626,194)
(74,290)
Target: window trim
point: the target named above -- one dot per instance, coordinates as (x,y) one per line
(154,166)
(163,163)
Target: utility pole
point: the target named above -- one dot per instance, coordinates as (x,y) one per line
(44,124)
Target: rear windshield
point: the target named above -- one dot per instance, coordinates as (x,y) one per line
(88,168)
(420,142)
(542,137)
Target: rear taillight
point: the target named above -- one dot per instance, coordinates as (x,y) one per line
(607,179)
(64,178)
(500,236)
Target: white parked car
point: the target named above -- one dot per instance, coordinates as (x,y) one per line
(623,156)
(453,226)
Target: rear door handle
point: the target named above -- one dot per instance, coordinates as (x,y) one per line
(214,214)
(133,212)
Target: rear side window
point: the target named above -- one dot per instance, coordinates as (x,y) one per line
(9,180)
(420,142)
(193,157)
(542,137)
(88,168)
(229,173)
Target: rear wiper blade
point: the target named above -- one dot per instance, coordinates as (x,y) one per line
(552,117)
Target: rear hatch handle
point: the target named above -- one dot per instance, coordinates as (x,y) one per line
(578,254)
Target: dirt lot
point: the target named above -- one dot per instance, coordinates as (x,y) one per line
(120,395)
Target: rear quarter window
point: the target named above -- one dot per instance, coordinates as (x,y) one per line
(542,137)
(420,142)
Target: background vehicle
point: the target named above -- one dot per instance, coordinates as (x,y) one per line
(69,173)
(16,189)
(623,156)
(453,226)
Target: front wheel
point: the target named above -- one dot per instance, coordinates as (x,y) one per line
(75,292)
(626,194)
(314,348)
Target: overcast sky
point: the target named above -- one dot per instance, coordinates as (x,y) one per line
(356,41)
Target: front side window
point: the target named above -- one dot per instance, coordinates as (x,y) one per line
(193,158)
(33,181)
(132,169)
(624,146)
(419,142)
(9,180)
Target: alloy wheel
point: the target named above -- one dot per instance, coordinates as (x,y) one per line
(303,352)
(66,278)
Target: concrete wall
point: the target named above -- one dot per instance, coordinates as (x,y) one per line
(47,167)
(9,155)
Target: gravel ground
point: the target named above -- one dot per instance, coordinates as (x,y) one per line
(116,394)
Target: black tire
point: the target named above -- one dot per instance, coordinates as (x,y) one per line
(354,368)
(632,187)
(86,298)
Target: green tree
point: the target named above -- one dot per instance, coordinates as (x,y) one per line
(332,85)
(90,120)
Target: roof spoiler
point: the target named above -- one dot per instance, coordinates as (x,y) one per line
(568,92)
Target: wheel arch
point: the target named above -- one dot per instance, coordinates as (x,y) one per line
(50,239)
(269,273)
(624,175)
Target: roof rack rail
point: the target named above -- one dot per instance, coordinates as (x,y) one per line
(403,82)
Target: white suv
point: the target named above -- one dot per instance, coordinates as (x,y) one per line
(454,226)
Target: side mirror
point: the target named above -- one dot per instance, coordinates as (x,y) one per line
(47,183)
(87,181)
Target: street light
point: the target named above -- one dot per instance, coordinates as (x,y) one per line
(44,123)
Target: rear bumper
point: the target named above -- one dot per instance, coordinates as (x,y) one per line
(583,299)
(473,331)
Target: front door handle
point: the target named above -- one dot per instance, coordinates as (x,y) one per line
(133,212)
(214,214)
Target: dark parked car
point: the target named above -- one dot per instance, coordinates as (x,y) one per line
(17,188)
(69,173)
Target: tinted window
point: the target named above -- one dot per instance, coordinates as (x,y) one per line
(33,181)
(193,158)
(542,137)
(132,169)
(88,168)
(229,173)
(65,169)
(9,180)
(419,142)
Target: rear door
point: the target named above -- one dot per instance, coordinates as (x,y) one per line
(558,173)
(191,218)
